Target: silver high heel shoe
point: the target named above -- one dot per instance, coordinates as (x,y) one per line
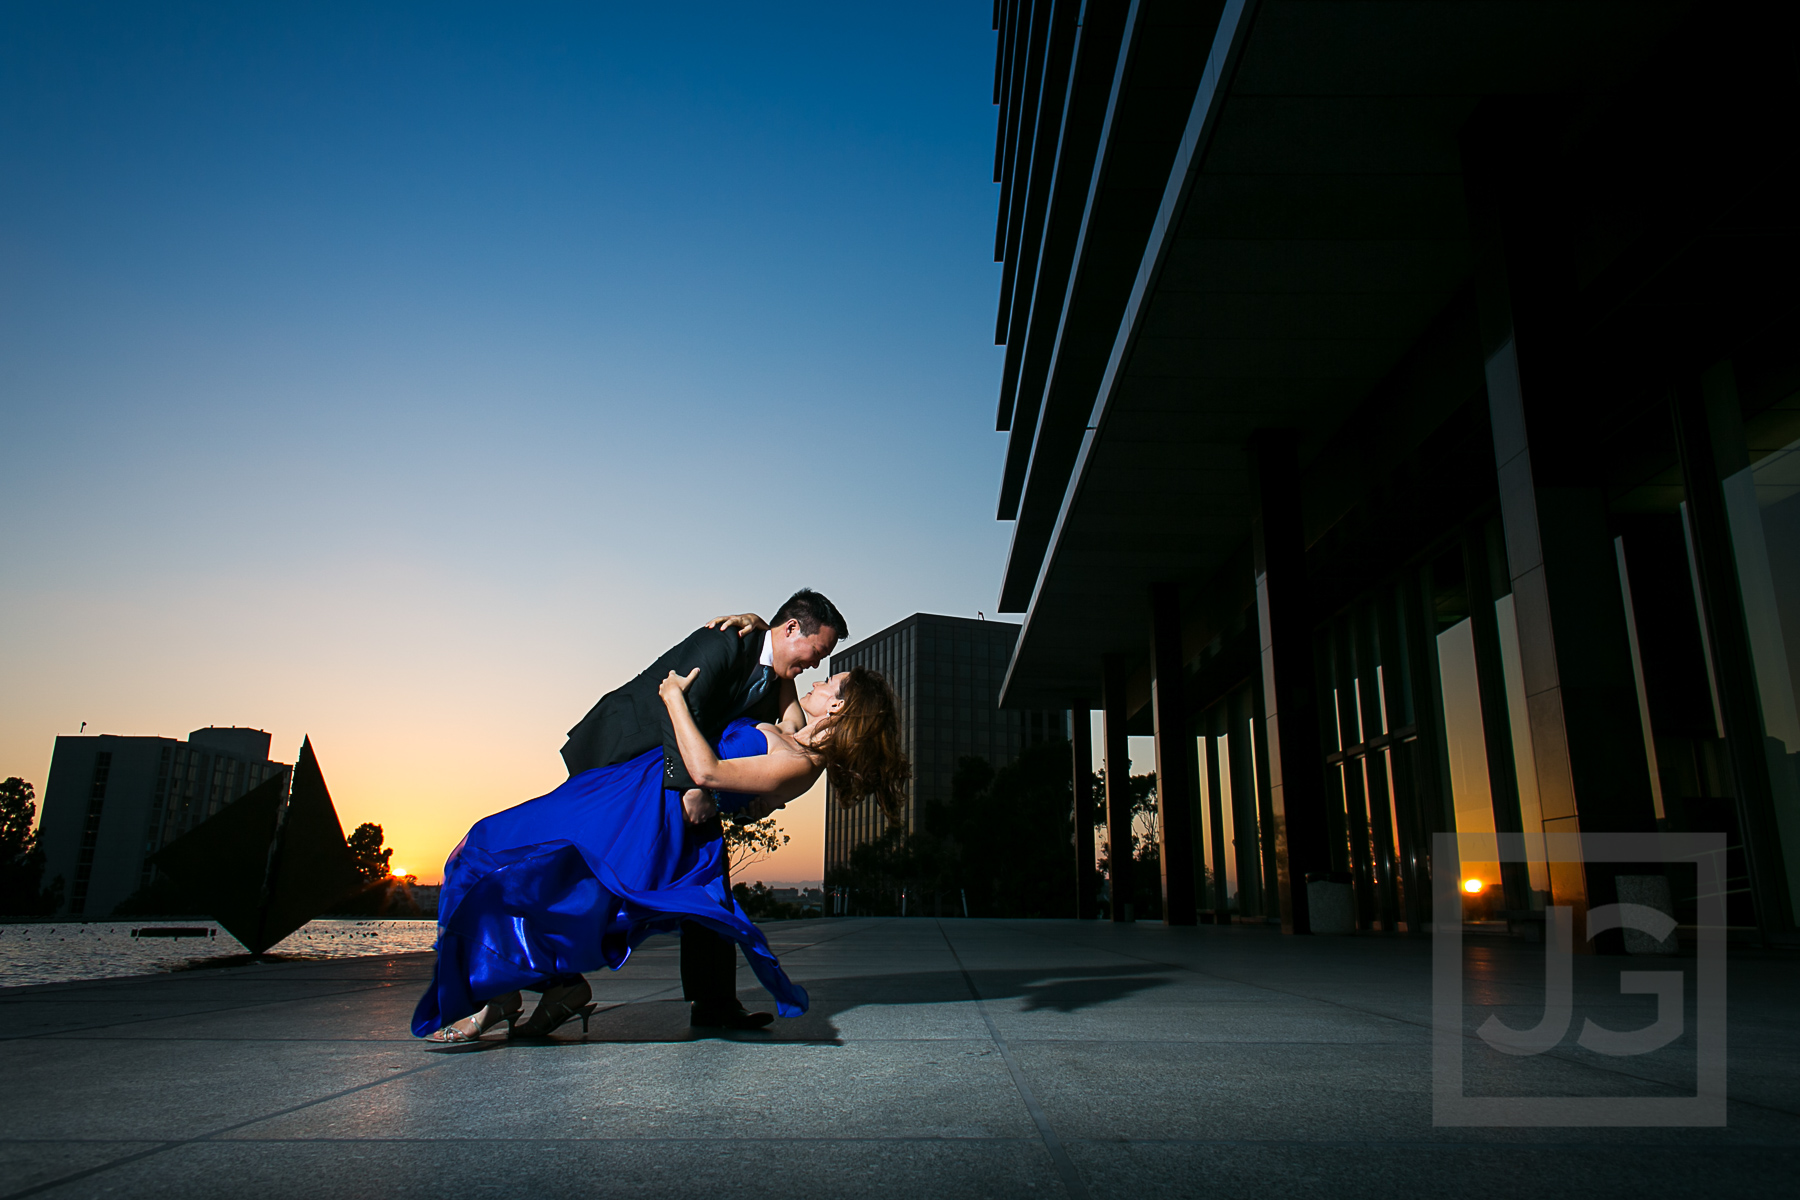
(508,1008)
(559,1006)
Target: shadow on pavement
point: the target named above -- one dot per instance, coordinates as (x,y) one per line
(1065,991)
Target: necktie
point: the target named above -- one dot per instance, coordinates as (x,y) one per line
(759,685)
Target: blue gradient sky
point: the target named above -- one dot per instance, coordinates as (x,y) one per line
(410,375)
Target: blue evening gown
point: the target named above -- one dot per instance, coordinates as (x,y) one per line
(576,879)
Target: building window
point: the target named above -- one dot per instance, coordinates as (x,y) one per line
(90,832)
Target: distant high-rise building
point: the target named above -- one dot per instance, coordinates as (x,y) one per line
(111,801)
(946,672)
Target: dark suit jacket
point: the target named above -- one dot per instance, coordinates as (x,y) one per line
(630,720)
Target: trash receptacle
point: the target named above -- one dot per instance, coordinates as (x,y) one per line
(1331,902)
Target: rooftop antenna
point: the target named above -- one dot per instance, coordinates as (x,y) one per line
(83,728)
(980,616)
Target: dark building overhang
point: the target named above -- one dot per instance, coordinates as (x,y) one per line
(1310,231)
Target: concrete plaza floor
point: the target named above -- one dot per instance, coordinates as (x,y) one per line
(940,1058)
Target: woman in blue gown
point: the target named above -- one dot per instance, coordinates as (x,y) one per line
(578,878)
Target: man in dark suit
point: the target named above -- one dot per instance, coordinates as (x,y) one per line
(740,676)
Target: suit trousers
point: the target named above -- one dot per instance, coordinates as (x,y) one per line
(708,960)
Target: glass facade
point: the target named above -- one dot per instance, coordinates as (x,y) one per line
(1371,740)
(194,783)
(1234,824)
(1466,760)
(946,673)
(1527,563)
(1763,503)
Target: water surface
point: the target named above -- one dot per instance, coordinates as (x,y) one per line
(65,951)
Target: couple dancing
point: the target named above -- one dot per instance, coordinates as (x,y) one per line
(632,844)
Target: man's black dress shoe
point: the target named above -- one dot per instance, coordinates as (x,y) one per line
(724,1016)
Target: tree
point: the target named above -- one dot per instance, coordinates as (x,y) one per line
(370,856)
(18,809)
(1145,815)
(880,870)
(752,842)
(1004,843)
(21,857)
(759,904)
(1013,834)
(1146,842)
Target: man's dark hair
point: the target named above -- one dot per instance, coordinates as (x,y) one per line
(811,610)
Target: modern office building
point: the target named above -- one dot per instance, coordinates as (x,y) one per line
(946,672)
(1403,415)
(111,801)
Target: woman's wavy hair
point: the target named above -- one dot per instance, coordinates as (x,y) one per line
(863,756)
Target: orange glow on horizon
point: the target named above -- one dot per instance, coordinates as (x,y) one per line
(425,744)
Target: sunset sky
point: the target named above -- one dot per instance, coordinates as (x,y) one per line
(408,376)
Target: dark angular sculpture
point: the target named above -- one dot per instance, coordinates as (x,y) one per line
(312,868)
(223,862)
(268,862)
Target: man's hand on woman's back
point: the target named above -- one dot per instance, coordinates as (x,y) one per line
(744,623)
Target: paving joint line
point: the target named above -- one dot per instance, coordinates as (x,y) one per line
(176,1143)
(185,975)
(1285,1143)
(1059,1157)
(186,1014)
(821,941)
(1563,1057)
(172,1144)
(615,1139)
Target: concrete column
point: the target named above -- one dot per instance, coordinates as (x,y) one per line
(1265,816)
(1118,784)
(1174,800)
(1087,883)
(1266,859)
(1291,719)
(1479,577)
(1219,897)
(1581,695)
(1245,848)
